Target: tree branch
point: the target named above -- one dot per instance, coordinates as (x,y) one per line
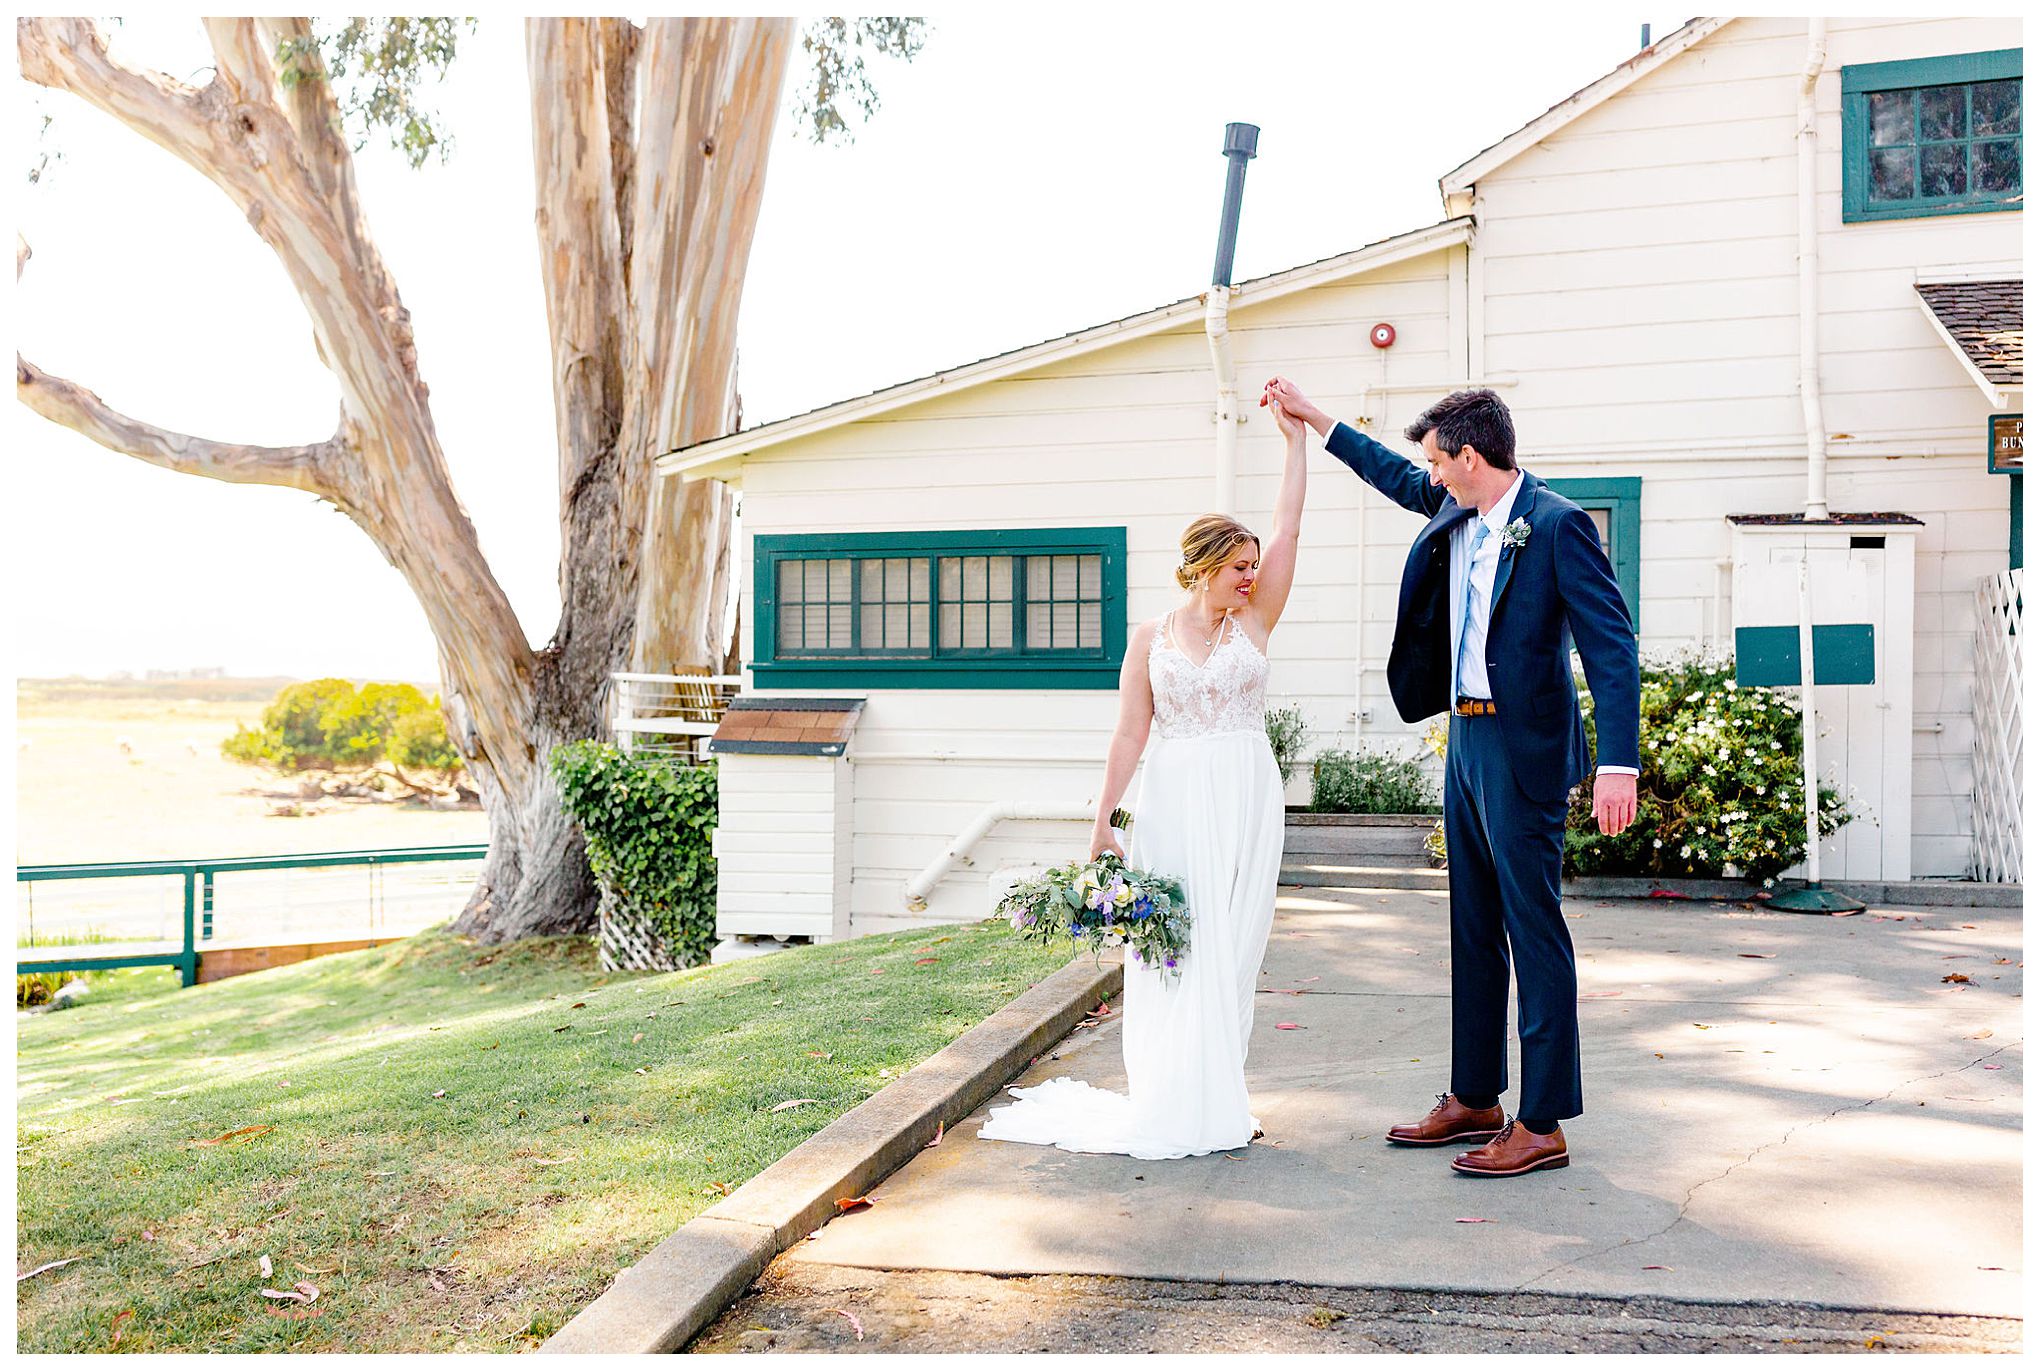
(71,55)
(78,409)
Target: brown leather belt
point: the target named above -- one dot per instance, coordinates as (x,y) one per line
(1466,706)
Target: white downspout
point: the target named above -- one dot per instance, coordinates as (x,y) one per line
(988,818)
(1225,471)
(1809,275)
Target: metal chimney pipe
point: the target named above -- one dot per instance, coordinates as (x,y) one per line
(1646,37)
(1240,140)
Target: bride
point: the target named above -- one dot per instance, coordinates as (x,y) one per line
(1210,814)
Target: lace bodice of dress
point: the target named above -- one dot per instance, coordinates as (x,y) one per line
(1227,693)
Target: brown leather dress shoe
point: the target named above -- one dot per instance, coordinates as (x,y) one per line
(1449,1122)
(1515,1151)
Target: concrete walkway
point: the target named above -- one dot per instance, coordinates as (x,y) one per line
(1780,1107)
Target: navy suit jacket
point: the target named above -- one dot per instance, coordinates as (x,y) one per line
(1555,591)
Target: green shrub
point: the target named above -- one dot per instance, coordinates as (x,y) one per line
(1365,782)
(330,724)
(1287,733)
(647,824)
(419,740)
(1722,790)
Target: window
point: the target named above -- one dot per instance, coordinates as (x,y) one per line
(941,610)
(1938,135)
(1615,504)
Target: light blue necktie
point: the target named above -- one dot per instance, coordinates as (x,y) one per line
(1466,613)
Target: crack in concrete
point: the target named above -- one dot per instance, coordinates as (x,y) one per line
(1684,1204)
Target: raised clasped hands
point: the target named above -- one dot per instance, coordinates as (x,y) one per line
(1281,395)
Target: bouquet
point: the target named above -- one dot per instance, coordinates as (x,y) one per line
(1105,903)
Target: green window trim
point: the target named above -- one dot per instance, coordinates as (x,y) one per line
(932,666)
(1622,498)
(1862,81)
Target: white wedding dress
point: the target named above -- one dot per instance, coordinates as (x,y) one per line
(1210,814)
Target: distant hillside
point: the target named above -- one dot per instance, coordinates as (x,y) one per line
(75,690)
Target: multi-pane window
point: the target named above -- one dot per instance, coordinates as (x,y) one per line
(941,608)
(1940,135)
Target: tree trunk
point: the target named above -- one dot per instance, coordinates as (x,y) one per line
(646,227)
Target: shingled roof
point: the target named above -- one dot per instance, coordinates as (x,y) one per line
(1986,321)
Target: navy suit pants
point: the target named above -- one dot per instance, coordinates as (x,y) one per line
(1505,851)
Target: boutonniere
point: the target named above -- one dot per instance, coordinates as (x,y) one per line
(1516,534)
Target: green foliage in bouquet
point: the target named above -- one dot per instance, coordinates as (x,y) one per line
(1722,790)
(648,825)
(1104,903)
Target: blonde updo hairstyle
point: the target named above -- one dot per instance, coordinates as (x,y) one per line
(1209,544)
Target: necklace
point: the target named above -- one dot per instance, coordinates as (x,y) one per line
(1210,636)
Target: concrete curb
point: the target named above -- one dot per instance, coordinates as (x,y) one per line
(673,1292)
(1882,894)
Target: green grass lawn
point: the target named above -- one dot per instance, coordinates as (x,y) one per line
(463,1143)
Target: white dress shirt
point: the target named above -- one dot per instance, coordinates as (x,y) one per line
(1471,672)
(1470,618)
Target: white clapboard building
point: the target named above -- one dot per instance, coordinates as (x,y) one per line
(1752,296)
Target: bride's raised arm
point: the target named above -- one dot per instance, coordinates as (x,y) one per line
(1278,557)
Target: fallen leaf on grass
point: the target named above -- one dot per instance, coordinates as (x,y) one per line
(268,1269)
(252,1130)
(853,1322)
(637,1037)
(118,1319)
(303,1292)
(791,1104)
(563,1028)
(315,1270)
(1289,1025)
(1473,1221)
(844,1206)
(716,1188)
(926,961)
(21,1276)
(578,1004)
(432,1279)
(1955,977)
(825,1056)
(439,1094)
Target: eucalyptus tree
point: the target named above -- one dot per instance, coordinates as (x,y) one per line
(650,145)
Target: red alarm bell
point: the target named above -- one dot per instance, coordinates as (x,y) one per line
(1382,335)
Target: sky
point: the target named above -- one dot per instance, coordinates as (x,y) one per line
(1022,179)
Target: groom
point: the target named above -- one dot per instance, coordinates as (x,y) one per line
(1506,578)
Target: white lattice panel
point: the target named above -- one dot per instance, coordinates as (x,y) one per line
(2000,729)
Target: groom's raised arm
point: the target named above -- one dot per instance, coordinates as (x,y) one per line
(1387,471)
